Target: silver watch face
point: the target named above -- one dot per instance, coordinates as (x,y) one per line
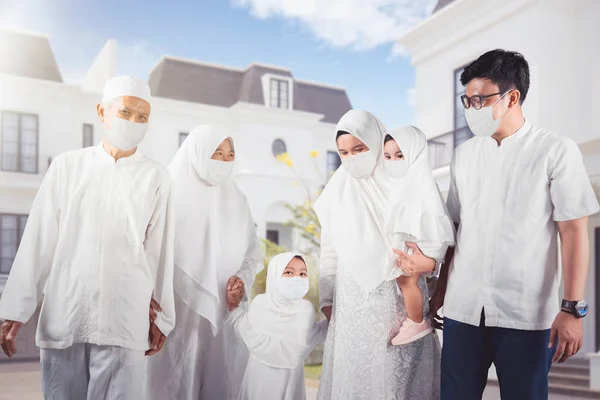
(581,308)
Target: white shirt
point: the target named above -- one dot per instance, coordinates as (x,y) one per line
(507,200)
(97,246)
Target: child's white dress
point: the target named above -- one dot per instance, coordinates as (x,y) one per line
(264,382)
(280,334)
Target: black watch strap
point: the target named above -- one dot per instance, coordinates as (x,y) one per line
(568,305)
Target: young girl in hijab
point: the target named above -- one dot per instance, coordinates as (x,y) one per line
(415,213)
(280,331)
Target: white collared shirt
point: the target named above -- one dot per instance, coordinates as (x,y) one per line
(97,246)
(507,200)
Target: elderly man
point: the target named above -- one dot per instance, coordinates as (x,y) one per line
(97,248)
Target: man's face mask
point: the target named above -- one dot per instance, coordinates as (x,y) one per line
(124,134)
(396,168)
(482,122)
(294,288)
(361,165)
(218,171)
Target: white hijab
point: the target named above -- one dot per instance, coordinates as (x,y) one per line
(213,227)
(351,210)
(416,208)
(281,327)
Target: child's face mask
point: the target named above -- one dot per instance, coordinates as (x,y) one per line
(293,288)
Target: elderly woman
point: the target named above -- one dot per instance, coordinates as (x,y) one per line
(361,300)
(216,249)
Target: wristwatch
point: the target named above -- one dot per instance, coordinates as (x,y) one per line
(578,308)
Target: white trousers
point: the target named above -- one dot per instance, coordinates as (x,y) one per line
(91,372)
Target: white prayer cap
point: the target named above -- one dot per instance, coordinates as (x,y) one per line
(120,86)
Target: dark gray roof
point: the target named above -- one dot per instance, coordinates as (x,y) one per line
(27,55)
(221,86)
(441,4)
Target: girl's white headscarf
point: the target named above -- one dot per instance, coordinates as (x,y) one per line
(281,327)
(351,210)
(213,227)
(416,208)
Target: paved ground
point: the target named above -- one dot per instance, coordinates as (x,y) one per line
(21,381)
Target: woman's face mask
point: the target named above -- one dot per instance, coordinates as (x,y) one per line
(218,172)
(361,165)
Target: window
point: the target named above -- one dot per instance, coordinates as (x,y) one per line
(279,90)
(182,136)
(19,142)
(278,147)
(462,132)
(12,227)
(333,162)
(88,135)
(273,236)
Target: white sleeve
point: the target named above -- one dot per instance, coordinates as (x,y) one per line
(453,201)
(436,251)
(318,334)
(33,261)
(328,266)
(252,264)
(158,245)
(571,191)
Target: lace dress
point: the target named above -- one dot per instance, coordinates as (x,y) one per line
(359,362)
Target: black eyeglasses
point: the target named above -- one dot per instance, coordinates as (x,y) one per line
(477,101)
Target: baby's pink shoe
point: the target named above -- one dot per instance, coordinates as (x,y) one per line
(411,331)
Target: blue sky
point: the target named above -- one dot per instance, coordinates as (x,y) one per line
(349,43)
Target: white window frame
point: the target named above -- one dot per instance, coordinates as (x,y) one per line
(266,84)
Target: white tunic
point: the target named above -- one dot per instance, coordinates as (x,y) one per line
(507,200)
(97,247)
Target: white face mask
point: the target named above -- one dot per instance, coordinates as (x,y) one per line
(218,171)
(396,168)
(360,165)
(124,134)
(482,122)
(293,288)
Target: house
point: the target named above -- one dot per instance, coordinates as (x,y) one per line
(559,39)
(265,108)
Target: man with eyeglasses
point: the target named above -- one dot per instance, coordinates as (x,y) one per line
(513,188)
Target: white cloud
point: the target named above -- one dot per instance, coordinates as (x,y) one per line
(356,24)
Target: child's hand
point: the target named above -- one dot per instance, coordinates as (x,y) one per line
(235,292)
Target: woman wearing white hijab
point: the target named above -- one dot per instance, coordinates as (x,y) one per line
(358,291)
(215,248)
(280,331)
(415,212)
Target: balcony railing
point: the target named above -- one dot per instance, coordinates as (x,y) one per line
(442,147)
